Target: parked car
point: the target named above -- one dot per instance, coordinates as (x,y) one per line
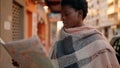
(115,42)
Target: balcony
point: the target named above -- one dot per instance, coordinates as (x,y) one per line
(111,10)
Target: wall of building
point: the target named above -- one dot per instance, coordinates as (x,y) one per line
(45,26)
(6,18)
(0,18)
(31,19)
(6,30)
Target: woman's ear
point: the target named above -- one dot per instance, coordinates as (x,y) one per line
(80,13)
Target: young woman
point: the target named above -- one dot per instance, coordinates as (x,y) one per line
(79,45)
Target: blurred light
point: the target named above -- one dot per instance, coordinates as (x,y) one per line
(113,27)
(119,3)
(36,2)
(110,1)
(111,9)
(46,9)
(88,0)
(59,25)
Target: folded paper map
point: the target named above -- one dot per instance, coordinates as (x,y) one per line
(28,53)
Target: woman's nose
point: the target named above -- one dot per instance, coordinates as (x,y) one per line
(63,17)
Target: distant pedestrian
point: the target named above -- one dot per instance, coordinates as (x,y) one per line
(79,45)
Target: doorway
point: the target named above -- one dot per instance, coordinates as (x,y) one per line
(29,20)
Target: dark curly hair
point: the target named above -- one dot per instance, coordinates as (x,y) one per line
(77,5)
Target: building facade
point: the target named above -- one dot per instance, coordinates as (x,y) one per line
(103,14)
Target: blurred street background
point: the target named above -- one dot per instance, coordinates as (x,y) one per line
(22,19)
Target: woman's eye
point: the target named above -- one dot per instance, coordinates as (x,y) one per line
(66,14)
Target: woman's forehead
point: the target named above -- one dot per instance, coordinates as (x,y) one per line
(67,8)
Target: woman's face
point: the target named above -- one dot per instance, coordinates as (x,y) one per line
(70,17)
